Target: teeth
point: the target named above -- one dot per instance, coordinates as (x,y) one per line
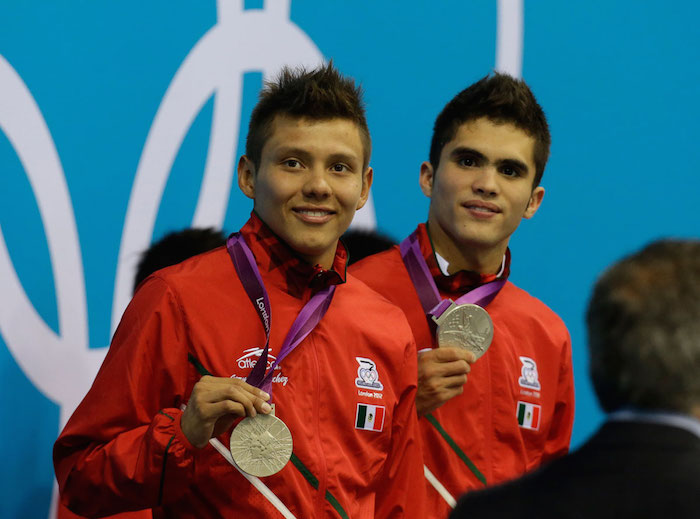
(313,213)
(480,209)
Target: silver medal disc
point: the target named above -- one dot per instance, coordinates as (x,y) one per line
(262,445)
(467,326)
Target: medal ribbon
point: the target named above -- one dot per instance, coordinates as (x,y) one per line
(310,315)
(427,290)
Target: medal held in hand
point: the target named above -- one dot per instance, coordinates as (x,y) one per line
(261,445)
(464,323)
(467,326)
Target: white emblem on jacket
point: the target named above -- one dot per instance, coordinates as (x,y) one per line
(367,375)
(529,374)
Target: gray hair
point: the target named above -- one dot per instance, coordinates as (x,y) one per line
(644,329)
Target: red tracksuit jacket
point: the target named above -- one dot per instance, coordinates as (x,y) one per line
(476,439)
(123,448)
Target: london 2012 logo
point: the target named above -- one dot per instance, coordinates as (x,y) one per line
(213,68)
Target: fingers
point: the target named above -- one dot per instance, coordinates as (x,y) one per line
(222,381)
(433,393)
(430,368)
(436,384)
(450,353)
(442,373)
(231,407)
(227,400)
(215,397)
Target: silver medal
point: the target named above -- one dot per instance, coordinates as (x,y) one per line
(467,326)
(262,445)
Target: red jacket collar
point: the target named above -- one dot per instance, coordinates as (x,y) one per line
(279,264)
(461,281)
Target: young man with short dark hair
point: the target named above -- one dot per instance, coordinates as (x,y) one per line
(274,308)
(488,152)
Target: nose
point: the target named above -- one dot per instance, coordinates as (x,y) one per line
(316,185)
(485,183)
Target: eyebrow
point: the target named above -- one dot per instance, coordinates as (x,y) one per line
(306,155)
(461,151)
(297,152)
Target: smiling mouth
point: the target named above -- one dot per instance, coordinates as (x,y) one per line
(313,212)
(482,208)
(314,216)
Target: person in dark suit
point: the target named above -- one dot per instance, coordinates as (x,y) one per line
(644,344)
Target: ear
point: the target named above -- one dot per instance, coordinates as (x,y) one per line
(246,176)
(427,175)
(534,204)
(367,178)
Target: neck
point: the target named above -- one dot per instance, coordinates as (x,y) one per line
(324,260)
(466,256)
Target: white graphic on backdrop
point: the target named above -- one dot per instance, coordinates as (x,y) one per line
(61,365)
(47,358)
(509,37)
(213,67)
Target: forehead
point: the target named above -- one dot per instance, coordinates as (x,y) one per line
(496,141)
(315,136)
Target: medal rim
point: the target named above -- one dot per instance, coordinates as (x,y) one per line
(456,307)
(261,417)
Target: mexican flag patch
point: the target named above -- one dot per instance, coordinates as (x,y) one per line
(369,417)
(529,415)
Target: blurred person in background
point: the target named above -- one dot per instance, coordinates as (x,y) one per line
(644,345)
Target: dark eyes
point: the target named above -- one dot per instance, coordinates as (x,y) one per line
(510,172)
(295,164)
(467,162)
(507,170)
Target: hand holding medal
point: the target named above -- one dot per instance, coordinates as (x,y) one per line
(464,331)
(463,323)
(215,403)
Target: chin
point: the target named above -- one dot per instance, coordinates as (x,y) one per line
(310,251)
(479,242)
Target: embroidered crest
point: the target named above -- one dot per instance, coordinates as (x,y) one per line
(529,374)
(369,417)
(367,375)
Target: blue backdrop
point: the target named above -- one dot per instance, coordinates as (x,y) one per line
(121,121)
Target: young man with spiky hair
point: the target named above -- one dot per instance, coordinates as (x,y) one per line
(488,152)
(269,329)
